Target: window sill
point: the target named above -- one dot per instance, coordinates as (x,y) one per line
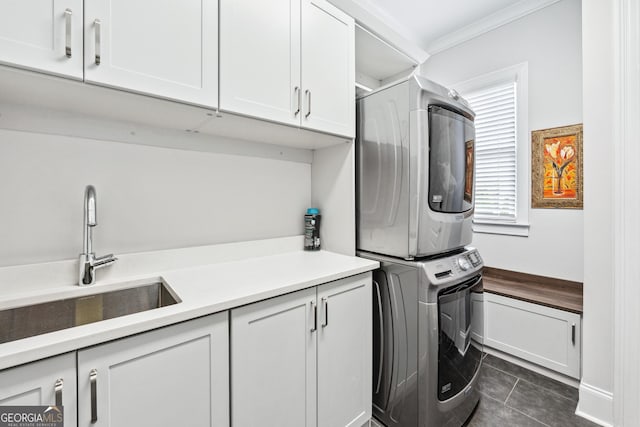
(509,229)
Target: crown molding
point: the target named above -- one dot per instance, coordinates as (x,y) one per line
(491,22)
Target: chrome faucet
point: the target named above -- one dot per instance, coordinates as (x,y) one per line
(88,260)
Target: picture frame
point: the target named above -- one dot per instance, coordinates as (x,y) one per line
(556,168)
(469,172)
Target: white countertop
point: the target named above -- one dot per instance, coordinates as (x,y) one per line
(222,284)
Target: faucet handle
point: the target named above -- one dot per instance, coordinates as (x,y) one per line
(104,261)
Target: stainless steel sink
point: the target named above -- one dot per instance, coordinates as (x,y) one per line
(31,320)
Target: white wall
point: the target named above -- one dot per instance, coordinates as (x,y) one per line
(149,198)
(549,40)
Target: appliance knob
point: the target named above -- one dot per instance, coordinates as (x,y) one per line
(464,263)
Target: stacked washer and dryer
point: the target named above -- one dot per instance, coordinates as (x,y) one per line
(415,159)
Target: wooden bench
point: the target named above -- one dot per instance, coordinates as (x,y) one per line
(555,293)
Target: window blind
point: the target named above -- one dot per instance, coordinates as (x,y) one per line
(495,189)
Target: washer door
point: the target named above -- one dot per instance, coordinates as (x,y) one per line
(459,343)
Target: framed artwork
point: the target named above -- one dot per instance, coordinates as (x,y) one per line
(556,167)
(468,174)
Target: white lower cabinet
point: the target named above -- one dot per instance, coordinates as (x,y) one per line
(344,353)
(542,335)
(304,359)
(46,382)
(174,376)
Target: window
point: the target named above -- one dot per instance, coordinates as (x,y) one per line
(495,190)
(499,100)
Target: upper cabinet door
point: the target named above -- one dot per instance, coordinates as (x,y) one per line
(328,69)
(167,49)
(45,35)
(260,59)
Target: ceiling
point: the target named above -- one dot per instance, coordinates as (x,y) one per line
(435,25)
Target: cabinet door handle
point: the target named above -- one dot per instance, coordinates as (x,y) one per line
(308,95)
(573,333)
(57,387)
(93,379)
(296,94)
(97,24)
(314,313)
(325,310)
(68,13)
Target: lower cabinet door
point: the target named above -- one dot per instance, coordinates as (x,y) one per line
(273,365)
(44,383)
(546,336)
(345,352)
(173,376)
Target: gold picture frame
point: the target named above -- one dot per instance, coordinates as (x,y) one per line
(556,168)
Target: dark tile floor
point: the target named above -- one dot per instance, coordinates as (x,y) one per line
(515,396)
(512,396)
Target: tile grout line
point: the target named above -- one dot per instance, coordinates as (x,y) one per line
(512,388)
(527,415)
(517,410)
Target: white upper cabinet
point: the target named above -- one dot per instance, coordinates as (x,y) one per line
(166,49)
(328,68)
(260,58)
(288,61)
(45,35)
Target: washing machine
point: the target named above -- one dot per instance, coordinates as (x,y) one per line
(428,334)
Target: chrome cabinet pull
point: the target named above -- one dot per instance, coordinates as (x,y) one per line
(573,333)
(93,379)
(308,95)
(97,24)
(325,310)
(296,94)
(57,387)
(314,310)
(68,13)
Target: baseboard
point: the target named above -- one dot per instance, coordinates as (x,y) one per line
(596,405)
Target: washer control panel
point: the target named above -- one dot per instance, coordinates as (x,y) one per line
(463,263)
(454,266)
(468,260)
